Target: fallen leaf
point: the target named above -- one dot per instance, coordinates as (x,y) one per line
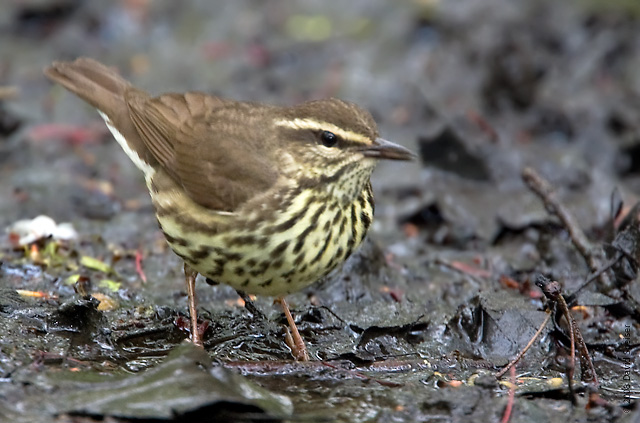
(109,284)
(95,264)
(25,232)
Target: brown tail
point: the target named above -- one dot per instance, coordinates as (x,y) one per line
(107,91)
(92,81)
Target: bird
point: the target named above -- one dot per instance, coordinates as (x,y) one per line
(264,198)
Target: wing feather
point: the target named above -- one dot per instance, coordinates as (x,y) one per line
(206,144)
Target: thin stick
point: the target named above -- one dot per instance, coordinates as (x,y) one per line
(526,348)
(250,306)
(461,270)
(600,271)
(593,255)
(572,329)
(576,337)
(553,292)
(139,269)
(512,397)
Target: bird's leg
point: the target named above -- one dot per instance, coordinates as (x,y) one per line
(298,348)
(190,278)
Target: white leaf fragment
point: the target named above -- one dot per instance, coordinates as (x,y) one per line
(31,230)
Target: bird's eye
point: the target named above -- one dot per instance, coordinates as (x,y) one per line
(329,139)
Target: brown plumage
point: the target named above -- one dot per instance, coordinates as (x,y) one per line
(174,131)
(266,199)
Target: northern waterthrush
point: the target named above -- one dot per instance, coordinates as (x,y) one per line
(263,198)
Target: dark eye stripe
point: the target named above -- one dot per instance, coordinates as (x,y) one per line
(305,135)
(336,140)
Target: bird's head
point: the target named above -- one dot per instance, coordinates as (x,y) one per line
(334,142)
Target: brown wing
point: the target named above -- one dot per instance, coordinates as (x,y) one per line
(207,145)
(103,88)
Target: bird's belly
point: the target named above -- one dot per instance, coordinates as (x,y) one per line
(274,255)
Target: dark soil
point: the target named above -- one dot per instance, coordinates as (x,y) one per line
(442,295)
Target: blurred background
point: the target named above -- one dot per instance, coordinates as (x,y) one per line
(479,89)
(498,83)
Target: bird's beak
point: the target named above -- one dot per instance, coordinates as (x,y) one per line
(383,149)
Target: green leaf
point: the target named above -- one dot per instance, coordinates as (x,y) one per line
(72,279)
(95,264)
(109,284)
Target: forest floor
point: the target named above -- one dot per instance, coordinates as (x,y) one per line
(526,120)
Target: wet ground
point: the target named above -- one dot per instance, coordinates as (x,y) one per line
(443,294)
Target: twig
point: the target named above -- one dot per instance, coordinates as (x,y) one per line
(599,272)
(593,255)
(585,358)
(554,289)
(36,294)
(526,348)
(250,306)
(512,397)
(476,275)
(570,371)
(586,363)
(139,266)
(362,376)
(346,368)
(553,292)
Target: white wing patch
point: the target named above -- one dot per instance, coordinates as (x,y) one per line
(135,158)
